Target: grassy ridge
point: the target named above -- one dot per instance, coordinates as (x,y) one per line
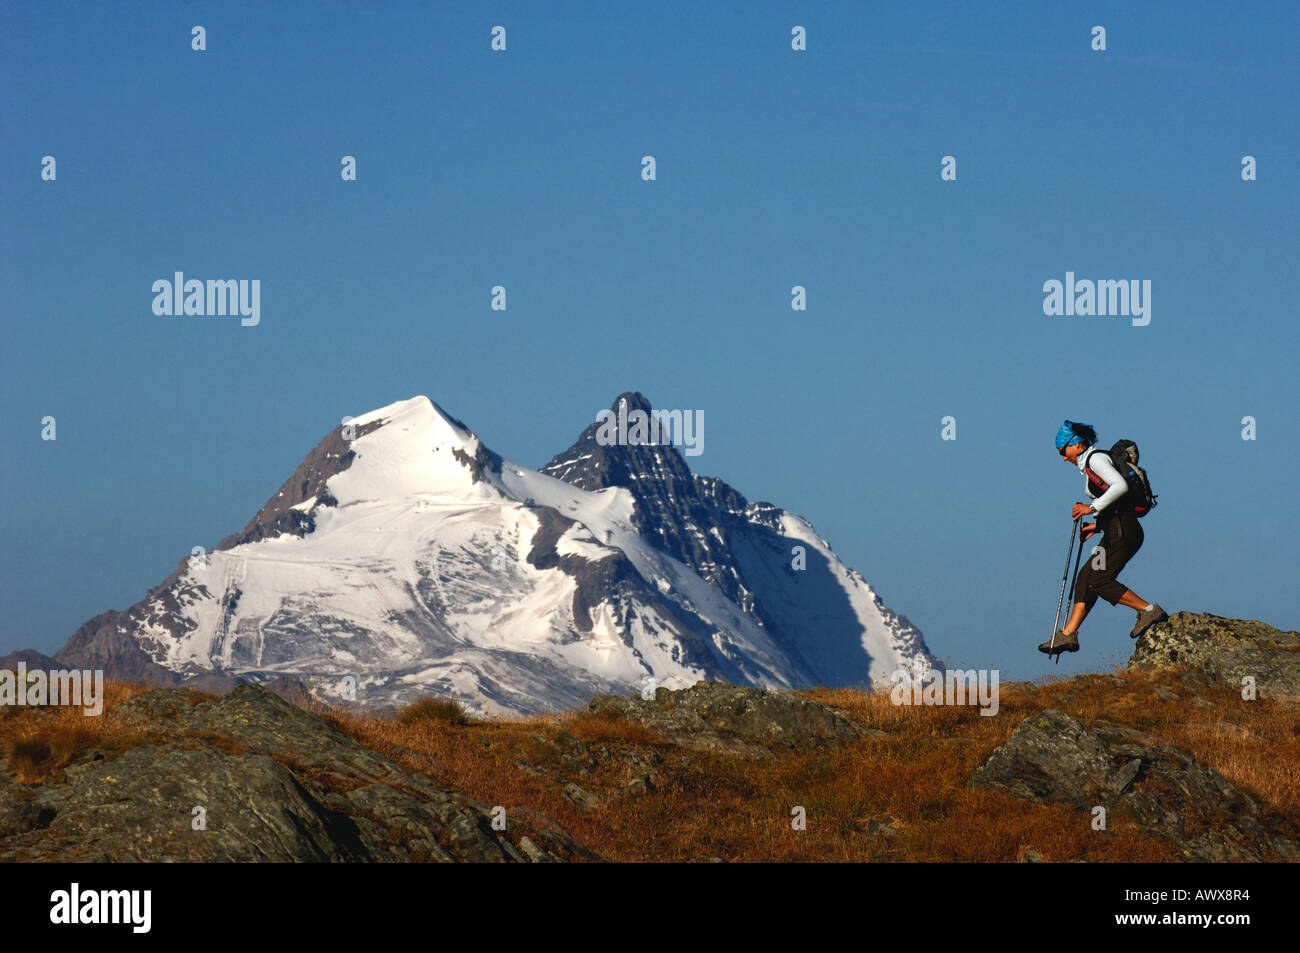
(630,795)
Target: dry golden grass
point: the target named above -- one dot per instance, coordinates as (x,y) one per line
(912,781)
(446,710)
(715,806)
(40,741)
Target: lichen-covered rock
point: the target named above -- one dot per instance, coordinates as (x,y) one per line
(271,782)
(1224,651)
(727,719)
(1053,758)
(142,807)
(1050,757)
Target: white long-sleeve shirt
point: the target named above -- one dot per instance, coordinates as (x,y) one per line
(1101,465)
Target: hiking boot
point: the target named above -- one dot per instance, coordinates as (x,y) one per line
(1063,643)
(1146,619)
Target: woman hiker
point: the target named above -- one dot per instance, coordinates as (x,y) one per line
(1121,539)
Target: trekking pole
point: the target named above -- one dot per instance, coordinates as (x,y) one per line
(1078,558)
(1065,574)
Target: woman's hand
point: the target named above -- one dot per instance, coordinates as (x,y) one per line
(1087,531)
(1081,510)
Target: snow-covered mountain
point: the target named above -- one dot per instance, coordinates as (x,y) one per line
(412,558)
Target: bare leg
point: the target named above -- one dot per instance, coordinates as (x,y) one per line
(1132,600)
(1077,614)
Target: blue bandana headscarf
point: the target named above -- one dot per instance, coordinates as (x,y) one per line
(1066,435)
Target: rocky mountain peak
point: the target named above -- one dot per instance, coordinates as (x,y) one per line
(593,463)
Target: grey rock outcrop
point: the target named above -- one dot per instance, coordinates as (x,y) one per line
(726,719)
(1054,758)
(1224,652)
(270,781)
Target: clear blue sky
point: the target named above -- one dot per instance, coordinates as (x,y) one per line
(775,168)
